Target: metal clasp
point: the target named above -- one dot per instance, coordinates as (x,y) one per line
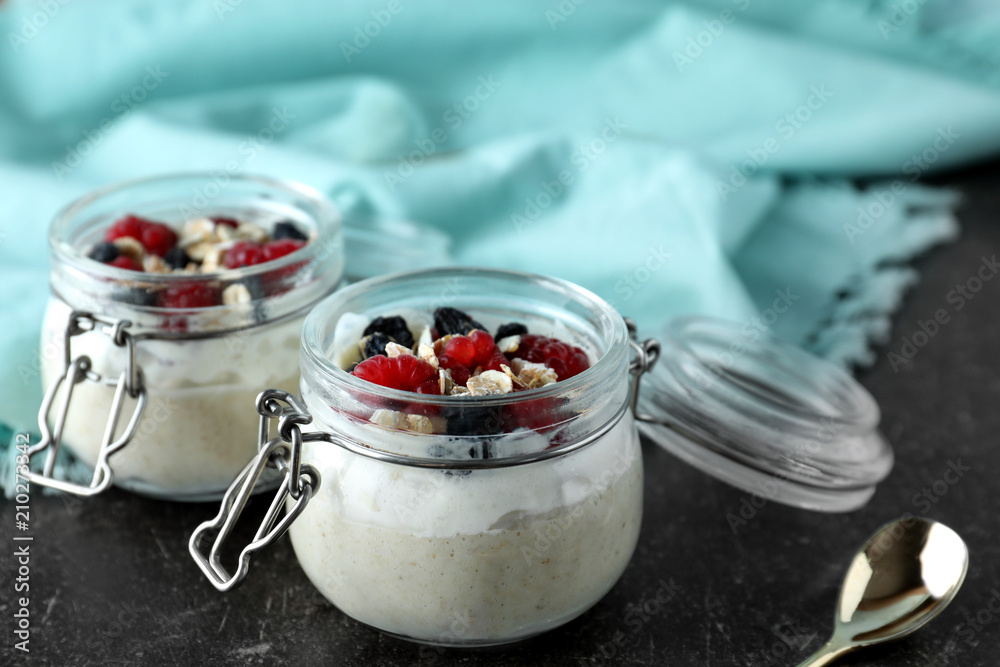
(300,481)
(646,354)
(75,371)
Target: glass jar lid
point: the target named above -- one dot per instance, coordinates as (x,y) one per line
(764,416)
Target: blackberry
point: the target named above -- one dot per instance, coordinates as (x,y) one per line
(394,327)
(375,345)
(137,296)
(453,321)
(176,258)
(511,329)
(105,251)
(473,420)
(287,230)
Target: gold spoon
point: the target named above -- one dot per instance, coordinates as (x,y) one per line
(904,575)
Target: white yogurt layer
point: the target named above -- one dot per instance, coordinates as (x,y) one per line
(199,428)
(483,557)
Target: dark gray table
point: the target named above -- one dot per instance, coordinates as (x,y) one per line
(112,583)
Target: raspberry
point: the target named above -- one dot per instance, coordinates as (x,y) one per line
(405,372)
(130,225)
(274,249)
(430,387)
(484,345)
(566,360)
(461,349)
(228,222)
(460,375)
(157,238)
(126,262)
(244,253)
(495,360)
(188,295)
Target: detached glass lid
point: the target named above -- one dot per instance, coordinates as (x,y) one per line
(762,415)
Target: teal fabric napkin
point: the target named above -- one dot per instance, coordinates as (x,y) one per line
(675,158)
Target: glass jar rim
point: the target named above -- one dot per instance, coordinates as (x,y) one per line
(328,224)
(610,361)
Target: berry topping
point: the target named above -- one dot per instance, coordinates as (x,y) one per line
(395,327)
(130,225)
(126,262)
(430,387)
(511,329)
(484,346)
(459,374)
(405,372)
(157,238)
(288,230)
(496,360)
(274,249)
(188,295)
(564,359)
(105,251)
(244,253)
(375,345)
(228,222)
(461,349)
(176,258)
(474,420)
(453,321)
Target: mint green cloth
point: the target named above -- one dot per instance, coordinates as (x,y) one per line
(673,158)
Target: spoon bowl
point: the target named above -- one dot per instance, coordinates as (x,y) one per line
(903,576)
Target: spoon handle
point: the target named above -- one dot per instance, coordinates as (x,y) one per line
(830,652)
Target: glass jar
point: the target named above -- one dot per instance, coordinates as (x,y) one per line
(172,383)
(501,530)
(483,537)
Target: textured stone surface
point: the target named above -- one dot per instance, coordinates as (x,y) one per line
(112,583)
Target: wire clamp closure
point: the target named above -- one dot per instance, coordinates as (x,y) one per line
(76,371)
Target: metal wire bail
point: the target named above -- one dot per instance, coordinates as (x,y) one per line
(77,370)
(646,354)
(299,483)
